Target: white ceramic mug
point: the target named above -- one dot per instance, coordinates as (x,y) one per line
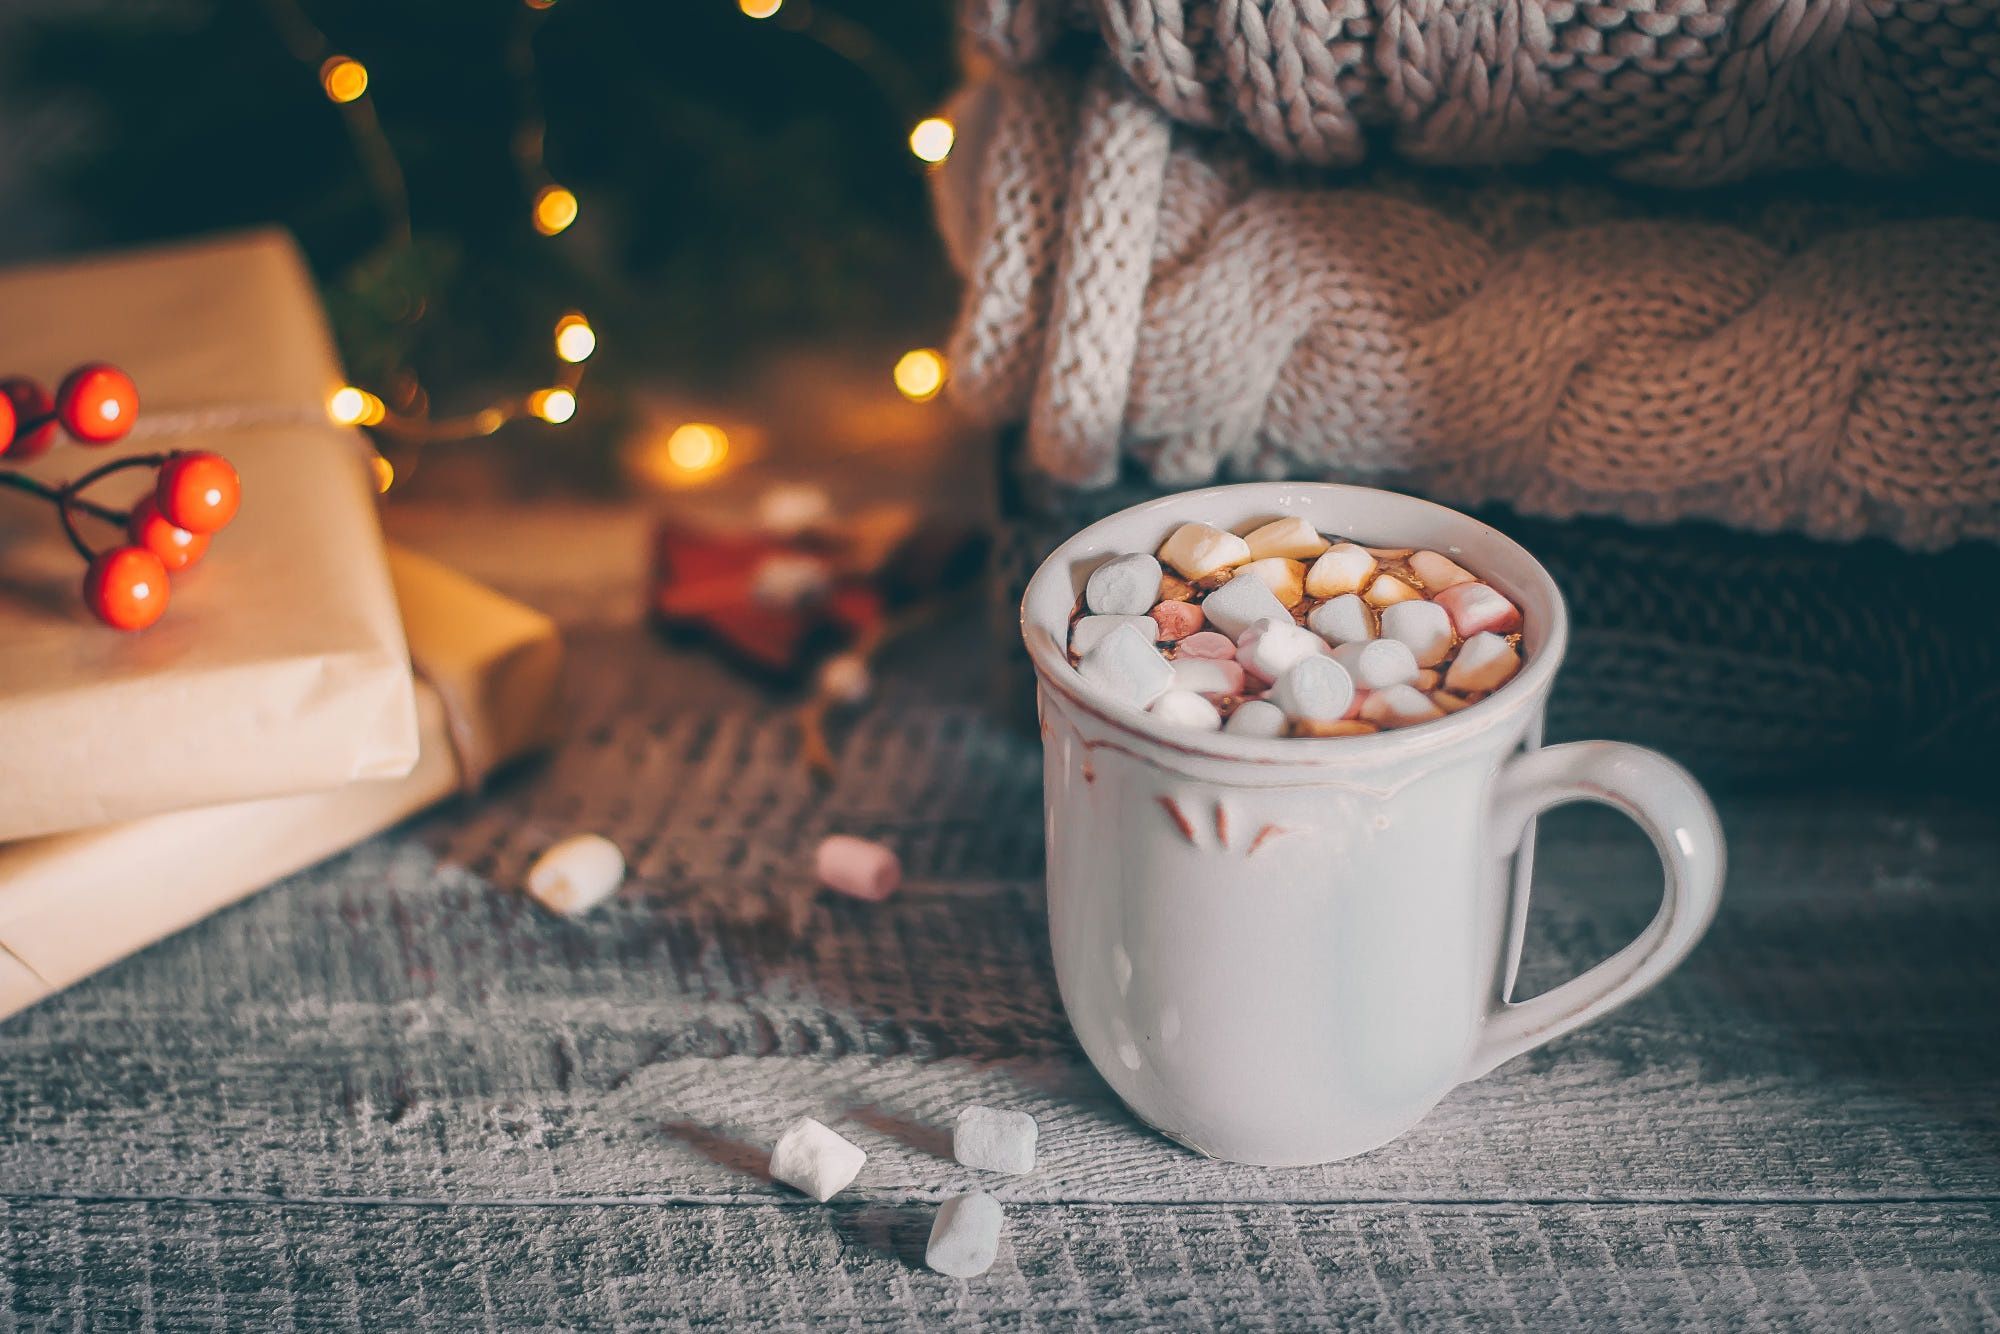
(1285,951)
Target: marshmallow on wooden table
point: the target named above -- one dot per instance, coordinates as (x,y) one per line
(812,1159)
(1241,603)
(1486,661)
(1377,664)
(1177,620)
(1294,538)
(1341,568)
(1127,667)
(1386,590)
(1123,586)
(1089,632)
(576,874)
(1207,644)
(857,867)
(1198,550)
(1399,706)
(965,1239)
(994,1140)
(1342,620)
(1208,676)
(1424,626)
(1315,689)
(1256,717)
(1187,709)
(1285,578)
(1476,608)
(844,678)
(1438,572)
(1270,646)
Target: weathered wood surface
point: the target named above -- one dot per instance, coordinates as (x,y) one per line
(389,1094)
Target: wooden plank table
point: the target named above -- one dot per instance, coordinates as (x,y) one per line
(388,1094)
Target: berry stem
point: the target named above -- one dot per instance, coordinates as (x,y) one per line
(54,494)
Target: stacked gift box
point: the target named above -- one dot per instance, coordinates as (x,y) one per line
(308,686)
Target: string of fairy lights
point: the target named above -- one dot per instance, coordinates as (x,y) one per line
(397,414)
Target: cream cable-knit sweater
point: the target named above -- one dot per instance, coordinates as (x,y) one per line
(1134,289)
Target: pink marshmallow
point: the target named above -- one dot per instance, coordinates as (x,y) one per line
(1476,609)
(1208,644)
(1177,620)
(857,868)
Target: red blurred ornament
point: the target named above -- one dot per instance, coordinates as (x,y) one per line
(176,547)
(33,414)
(126,588)
(97,403)
(198,492)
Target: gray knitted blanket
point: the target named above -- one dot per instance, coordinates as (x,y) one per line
(1680,92)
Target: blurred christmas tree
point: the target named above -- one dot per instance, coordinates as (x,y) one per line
(742,182)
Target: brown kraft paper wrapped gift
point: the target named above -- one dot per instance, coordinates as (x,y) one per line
(71,904)
(279,666)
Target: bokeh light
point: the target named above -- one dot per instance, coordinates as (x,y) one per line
(575,339)
(932,139)
(920,374)
(697,446)
(555,210)
(344,78)
(554,406)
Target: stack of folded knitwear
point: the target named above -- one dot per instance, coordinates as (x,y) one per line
(308,685)
(1701,302)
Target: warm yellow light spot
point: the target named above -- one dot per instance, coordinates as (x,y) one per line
(697,447)
(555,210)
(920,374)
(554,406)
(760,9)
(931,140)
(540,4)
(575,339)
(350,406)
(385,473)
(344,78)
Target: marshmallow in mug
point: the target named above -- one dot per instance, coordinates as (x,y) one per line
(1285,631)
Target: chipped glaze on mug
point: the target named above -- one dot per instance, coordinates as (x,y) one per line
(1286,950)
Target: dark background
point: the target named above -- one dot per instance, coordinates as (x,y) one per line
(746,186)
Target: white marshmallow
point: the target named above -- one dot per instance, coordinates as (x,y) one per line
(1127,667)
(1316,689)
(994,1140)
(1089,632)
(1438,572)
(1424,626)
(965,1239)
(1387,589)
(1399,706)
(1293,538)
(576,874)
(790,508)
(787,579)
(1208,676)
(1270,646)
(1198,550)
(1285,578)
(1240,604)
(1256,717)
(815,1160)
(1340,569)
(1344,620)
(1484,662)
(1123,586)
(1187,709)
(844,678)
(1377,664)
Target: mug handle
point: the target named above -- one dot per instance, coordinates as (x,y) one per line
(1670,806)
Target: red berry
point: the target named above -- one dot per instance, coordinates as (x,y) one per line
(97,403)
(27,401)
(177,548)
(126,588)
(198,492)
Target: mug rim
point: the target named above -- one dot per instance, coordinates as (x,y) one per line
(1050,654)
